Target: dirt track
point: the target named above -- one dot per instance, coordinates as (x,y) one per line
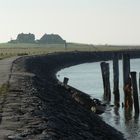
(5,69)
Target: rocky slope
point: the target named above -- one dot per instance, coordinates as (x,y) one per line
(37,108)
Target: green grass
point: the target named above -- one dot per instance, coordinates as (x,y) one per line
(4,88)
(9,49)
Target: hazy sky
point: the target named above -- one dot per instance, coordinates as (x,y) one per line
(85,21)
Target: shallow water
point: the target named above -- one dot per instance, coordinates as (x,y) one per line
(87,78)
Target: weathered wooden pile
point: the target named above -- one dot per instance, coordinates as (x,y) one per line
(129,83)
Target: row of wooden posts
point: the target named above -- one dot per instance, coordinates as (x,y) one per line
(129,83)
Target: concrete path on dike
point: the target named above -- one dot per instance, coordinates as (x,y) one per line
(5,69)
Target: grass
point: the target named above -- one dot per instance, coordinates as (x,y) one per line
(9,49)
(4,88)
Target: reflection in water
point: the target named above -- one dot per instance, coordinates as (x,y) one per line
(128,114)
(116,111)
(136,117)
(87,78)
(117,118)
(132,128)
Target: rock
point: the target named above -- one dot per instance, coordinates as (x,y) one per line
(16,137)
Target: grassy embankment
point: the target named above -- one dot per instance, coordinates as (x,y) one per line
(9,49)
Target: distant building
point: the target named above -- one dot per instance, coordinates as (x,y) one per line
(26,38)
(51,39)
(45,39)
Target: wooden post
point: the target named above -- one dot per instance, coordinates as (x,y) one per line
(106,80)
(108,90)
(102,64)
(128,95)
(126,68)
(139,82)
(116,79)
(135,92)
(126,78)
(65,81)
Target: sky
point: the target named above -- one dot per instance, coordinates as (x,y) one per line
(114,22)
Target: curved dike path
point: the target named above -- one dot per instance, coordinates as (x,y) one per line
(5,71)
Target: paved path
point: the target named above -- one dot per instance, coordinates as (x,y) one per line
(5,69)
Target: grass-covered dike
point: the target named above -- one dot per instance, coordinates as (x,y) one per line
(20,49)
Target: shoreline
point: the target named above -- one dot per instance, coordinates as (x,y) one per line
(48,109)
(70,120)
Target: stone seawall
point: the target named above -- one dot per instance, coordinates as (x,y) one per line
(65,118)
(37,108)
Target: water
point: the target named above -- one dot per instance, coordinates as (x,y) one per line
(87,78)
